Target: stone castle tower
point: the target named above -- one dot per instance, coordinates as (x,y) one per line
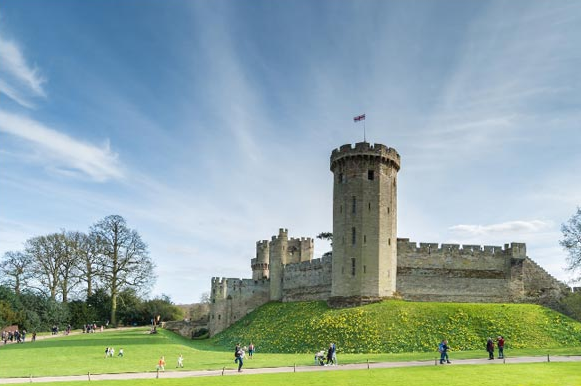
(364,223)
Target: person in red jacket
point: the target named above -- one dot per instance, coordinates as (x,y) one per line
(500,344)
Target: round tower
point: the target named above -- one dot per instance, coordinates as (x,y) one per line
(278,250)
(364,223)
(260,263)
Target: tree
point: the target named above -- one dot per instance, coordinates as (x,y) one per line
(53,263)
(326,236)
(87,258)
(16,270)
(572,241)
(124,257)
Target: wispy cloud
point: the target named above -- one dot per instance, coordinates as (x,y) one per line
(509,227)
(20,80)
(61,152)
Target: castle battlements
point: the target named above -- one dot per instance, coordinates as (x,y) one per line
(308,265)
(514,250)
(366,150)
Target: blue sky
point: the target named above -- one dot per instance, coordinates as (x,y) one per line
(208,125)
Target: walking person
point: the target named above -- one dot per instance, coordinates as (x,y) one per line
(334,357)
(443,349)
(250,350)
(161,364)
(330,355)
(500,343)
(180,361)
(239,357)
(490,348)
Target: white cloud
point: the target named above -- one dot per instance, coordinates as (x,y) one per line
(61,152)
(19,78)
(509,227)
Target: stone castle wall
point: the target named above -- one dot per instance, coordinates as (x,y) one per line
(452,272)
(232,299)
(307,281)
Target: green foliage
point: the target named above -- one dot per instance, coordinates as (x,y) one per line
(398,326)
(571,305)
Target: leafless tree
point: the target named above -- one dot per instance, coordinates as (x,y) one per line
(16,270)
(53,263)
(87,259)
(124,257)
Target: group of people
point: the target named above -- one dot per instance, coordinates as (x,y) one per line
(90,328)
(443,349)
(110,352)
(161,363)
(330,355)
(490,347)
(240,354)
(15,336)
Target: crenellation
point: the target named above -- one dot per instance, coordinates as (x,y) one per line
(450,248)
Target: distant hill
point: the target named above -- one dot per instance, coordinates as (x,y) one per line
(398,326)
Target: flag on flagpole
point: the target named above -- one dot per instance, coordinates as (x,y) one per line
(359,118)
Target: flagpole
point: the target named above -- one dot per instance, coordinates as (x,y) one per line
(364,131)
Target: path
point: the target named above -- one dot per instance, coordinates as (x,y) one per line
(271,370)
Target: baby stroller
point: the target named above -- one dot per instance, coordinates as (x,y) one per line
(320,358)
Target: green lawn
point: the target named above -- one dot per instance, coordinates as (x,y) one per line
(537,374)
(83,353)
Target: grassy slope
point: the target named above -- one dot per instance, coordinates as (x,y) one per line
(398,326)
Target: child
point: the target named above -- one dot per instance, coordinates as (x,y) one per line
(180,361)
(161,364)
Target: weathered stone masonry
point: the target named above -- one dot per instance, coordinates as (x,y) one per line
(369,262)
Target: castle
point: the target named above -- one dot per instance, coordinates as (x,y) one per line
(369,263)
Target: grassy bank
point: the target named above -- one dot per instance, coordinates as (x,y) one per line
(398,326)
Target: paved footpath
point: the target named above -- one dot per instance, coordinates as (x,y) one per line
(271,370)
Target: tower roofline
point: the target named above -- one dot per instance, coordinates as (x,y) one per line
(365,149)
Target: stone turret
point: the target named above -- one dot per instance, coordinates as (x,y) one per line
(260,264)
(364,223)
(278,251)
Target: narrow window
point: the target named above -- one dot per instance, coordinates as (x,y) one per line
(388,241)
(343,239)
(353,235)
(212,316)
(219,317)
(342,270)
(370,175)
(341,209)
(388,210)
(352,266)
(364,269)
(354,205)
(369,207)
(364,239)
(340,178)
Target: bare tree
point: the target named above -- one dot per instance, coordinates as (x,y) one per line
(572,241)
(53,263)
(15,270)
(124,256)
(87,259)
